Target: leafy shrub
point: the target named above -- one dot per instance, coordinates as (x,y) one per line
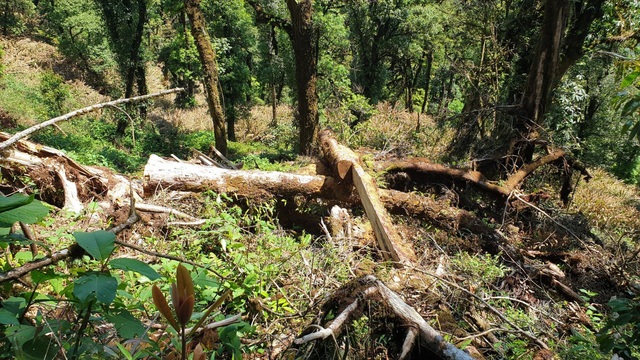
(621,333)
(54,93)
(15,15)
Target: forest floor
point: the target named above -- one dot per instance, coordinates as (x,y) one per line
(282,270)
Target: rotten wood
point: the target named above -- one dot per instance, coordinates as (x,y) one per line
(344,162)
(351,298)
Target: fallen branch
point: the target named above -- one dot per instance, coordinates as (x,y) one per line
(489,307)
(15,138)
(423,166)
(369,287)
(60,255)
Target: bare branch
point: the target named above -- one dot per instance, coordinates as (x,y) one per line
(15,138)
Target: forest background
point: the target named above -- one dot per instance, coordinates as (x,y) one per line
(492,86)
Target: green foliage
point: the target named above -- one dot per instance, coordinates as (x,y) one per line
(15,15)
(479,269)
(181,63)
(629,100)
(621,333)
(19,207)
(81,36)
(54,94)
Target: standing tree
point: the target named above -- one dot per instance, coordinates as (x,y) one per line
(301,31)
(125,18)
(559,47)
(210,68)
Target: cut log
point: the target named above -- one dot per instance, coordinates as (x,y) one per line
(164,174)
(344,161)
(255,184)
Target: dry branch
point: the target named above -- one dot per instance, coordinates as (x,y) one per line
(15,138)
(23,270)
(423,166)
(344,161)
(369,287)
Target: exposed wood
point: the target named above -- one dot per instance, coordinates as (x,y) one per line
(79,112)
(255,184)
(351,297)
(72,202)
(344,161)
(339,157)
(163,174)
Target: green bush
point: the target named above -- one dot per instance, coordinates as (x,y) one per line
(54,93)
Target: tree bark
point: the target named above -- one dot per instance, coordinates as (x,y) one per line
(210,69)
(159,173)
(304,42)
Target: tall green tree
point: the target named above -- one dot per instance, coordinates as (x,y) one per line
(125,20)
(235,34)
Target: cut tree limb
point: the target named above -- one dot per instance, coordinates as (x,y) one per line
(15,138)
(351,297)
(344,161)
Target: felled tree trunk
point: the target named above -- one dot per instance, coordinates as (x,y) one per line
(346,165)
(164,174)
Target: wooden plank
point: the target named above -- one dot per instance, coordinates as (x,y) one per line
(343,162)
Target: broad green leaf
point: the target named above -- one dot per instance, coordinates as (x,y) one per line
(41,347)
(99,244)
(14,305)
(38,277)
(631,106)
(20,334)
(14,201)
(126,325)
(629,79)
(8,318)
(135,266)
(27,210)
(102,287)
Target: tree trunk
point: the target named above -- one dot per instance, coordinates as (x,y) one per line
(304,41)
(542,75)
(210,69)
(426,88)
